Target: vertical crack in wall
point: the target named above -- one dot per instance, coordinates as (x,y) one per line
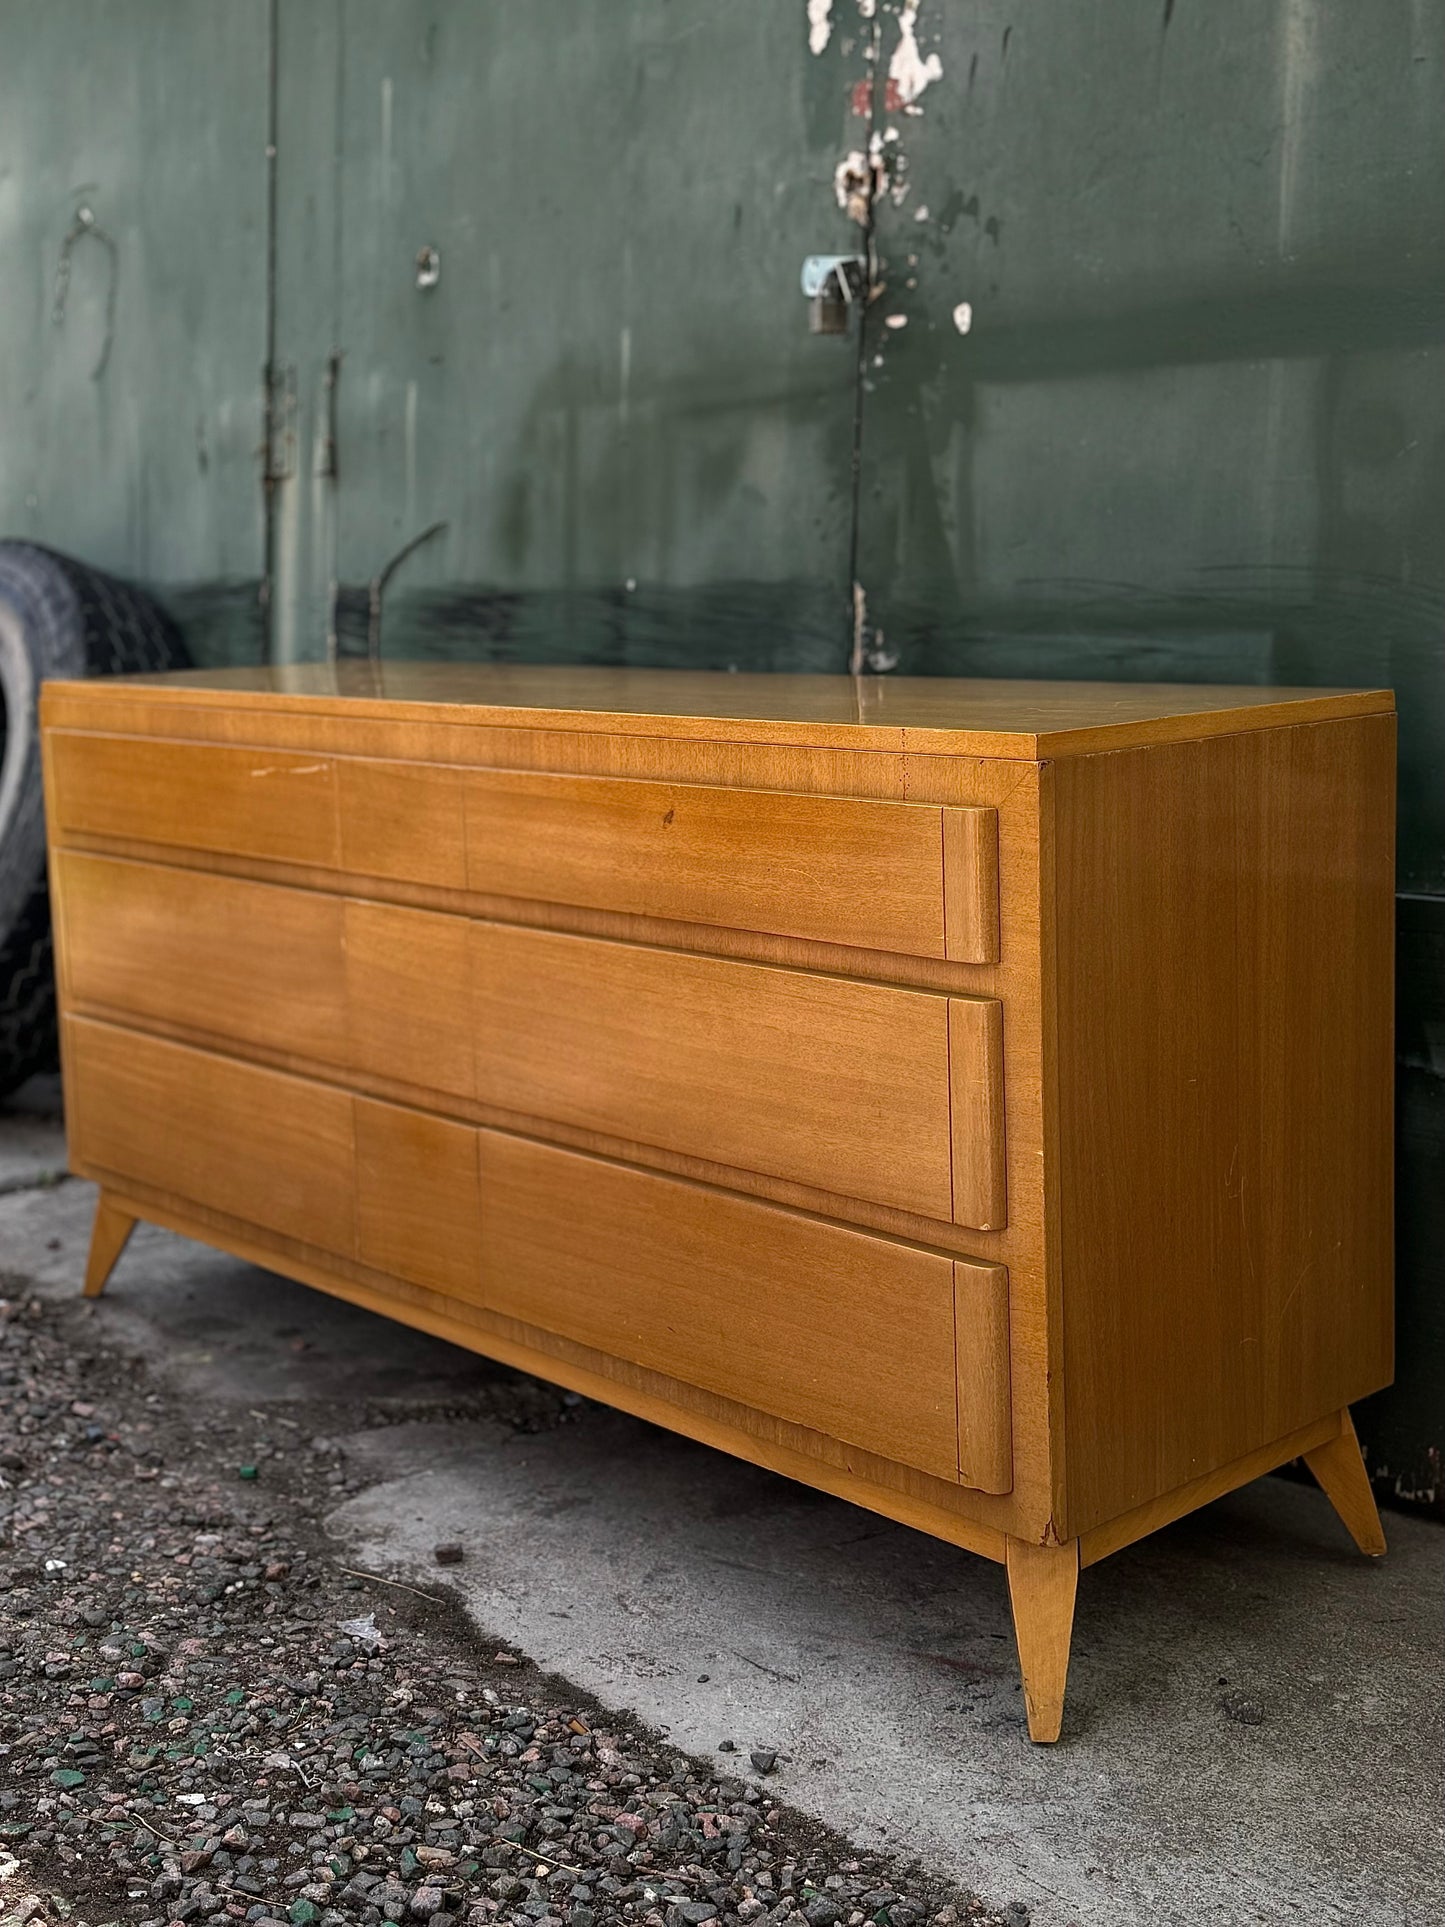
(866,180)
(270,405)
(862,203)
(888,92)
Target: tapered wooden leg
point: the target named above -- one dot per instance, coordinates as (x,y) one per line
(1339,1466)
(108,1238)
(1042,1583)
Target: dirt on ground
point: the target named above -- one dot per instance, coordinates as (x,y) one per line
(206,1716)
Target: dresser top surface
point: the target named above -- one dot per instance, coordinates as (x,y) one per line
(938,714)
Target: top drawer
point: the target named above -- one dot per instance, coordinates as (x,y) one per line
(911,878)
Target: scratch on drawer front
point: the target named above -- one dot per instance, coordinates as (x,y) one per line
(306,769)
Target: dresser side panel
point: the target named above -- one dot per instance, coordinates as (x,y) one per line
(1224,995)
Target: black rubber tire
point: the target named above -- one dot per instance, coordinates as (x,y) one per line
(57,618)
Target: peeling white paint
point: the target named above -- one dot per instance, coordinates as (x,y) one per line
(852,184)
(921,213)
(908,70)
(860,628)
(963,317)
(867,9)
(820,24)
(896,321)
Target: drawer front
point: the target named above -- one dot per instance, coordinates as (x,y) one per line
(833,869)
(400,821)
(829,1328)
(197,796)
(827,1082)
(241,961)
(910,878)
(272,1150)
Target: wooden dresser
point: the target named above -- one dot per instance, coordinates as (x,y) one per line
(971,1098)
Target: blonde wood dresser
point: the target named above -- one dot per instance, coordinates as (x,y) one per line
(971,1098)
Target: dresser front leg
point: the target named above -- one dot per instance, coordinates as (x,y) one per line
(108,1237)
(1042,1583)
(1339,1465)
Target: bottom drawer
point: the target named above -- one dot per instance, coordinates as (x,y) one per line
(850,1335)
(887,1346)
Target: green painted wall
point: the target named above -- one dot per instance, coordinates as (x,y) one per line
(1194,427)
(1198,428)
(608,398)
(131,347)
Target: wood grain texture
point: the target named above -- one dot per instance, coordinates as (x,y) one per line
(245,961)
(1127,1527)
(976,1080)
(378,993)
(403,821)
(948,1511)
(1224,1030)
(246,802)
(409,998)
(1340,1469)
(834,1083)
(1085,1288)
(970,885)
(828,1082)
(418,1197)
(432,734)
(1043,1582)
(946,715)
(831,1328)
(109,1236)
(985,1420)
(274,1151)
(835,869)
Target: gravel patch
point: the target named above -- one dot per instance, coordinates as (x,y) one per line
(204,1718)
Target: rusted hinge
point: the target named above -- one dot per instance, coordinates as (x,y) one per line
(280,423)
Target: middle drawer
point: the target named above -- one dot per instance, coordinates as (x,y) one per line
(859,1089)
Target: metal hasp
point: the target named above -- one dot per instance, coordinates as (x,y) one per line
(832,283)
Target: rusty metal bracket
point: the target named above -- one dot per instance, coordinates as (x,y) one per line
(280,451)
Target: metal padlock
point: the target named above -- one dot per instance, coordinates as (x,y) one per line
(832,283)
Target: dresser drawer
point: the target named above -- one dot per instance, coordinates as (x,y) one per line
(848,1334)
(243,962)
(400,821)
(272,1150)
(900,877)
(910,878)
(196,796)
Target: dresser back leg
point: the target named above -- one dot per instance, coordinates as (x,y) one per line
(1042,1583)
(1340,1468)
(108,1237)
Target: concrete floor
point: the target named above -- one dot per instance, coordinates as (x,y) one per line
(1254,1723)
